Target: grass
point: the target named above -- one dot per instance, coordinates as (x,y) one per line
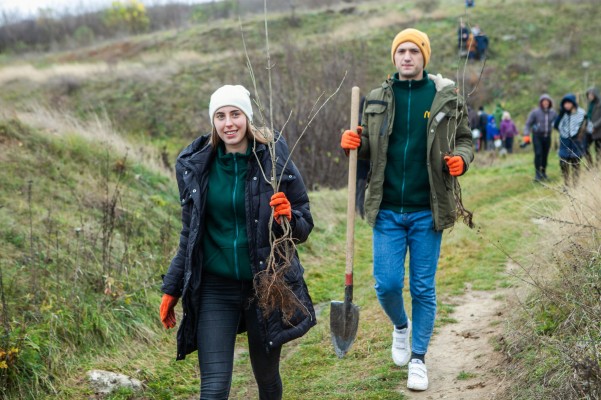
(553,341)
(463,376)
(118,330)
(66,310)
(66,301)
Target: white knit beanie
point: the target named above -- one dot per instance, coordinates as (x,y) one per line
(231,95)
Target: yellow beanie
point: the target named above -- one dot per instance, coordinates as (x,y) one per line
(414,36)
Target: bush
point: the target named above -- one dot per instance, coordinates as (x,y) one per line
(318,154)
(83,35)
(554,343)
(129,17)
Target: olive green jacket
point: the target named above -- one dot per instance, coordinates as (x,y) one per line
(448,133)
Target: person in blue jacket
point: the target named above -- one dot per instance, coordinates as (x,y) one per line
(492,132)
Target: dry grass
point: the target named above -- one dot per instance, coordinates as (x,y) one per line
(97,131)
(153,67)
(554,343)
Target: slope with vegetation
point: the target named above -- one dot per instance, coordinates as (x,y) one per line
(88,206)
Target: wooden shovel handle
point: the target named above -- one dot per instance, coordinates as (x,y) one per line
(352,188)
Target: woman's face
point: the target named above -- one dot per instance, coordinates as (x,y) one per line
(231,125)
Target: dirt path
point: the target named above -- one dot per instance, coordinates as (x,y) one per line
(462,363)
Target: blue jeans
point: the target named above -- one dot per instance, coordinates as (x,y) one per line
(393,234)
(223,305)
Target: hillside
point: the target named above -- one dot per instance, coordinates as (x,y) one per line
(88,208)
(155,87)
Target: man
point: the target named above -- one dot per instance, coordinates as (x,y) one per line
(594,118)
(540,124)
(415,134)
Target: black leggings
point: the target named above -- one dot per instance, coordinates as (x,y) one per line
(541,146)
(567,164)
(224,303)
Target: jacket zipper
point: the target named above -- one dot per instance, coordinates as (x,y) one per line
(405,151)
(236,267)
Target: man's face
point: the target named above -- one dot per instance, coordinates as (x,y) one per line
(409,61)
(568,106)
(545,104)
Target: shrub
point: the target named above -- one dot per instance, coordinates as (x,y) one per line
(554,343)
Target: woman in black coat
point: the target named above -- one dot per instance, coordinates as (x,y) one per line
(227,203)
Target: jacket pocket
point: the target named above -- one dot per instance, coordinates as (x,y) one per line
(186,199)
(376,106)
(377,117)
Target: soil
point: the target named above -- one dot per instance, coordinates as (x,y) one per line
(462,361)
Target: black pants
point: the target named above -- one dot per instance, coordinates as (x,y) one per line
(567,164)
(597,143)
(509,144)
(541,146)
(223,304)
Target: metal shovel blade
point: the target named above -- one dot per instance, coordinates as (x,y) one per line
(344,321)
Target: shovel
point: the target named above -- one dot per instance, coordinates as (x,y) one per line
(344,316)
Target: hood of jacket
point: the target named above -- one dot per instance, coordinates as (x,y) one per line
(570,97)
(545,96)
(594,91)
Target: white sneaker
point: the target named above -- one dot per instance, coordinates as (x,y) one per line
(417,376)
(401,346)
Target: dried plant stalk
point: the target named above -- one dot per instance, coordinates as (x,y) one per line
(272,291)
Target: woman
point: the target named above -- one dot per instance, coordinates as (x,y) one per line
(227,205)
(571,124)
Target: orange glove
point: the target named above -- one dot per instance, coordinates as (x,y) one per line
(351,140)
(526,139)
(167,313)
(455,164)
(281,207)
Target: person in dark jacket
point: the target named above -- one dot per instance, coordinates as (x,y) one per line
(473,121)
(594,120)
(571,124)
(227,202)
(540,124)
(482,122)
(415,133)
(463,33)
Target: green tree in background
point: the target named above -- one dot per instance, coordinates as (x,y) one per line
(128,16)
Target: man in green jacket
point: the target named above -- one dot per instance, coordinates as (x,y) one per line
(415,134)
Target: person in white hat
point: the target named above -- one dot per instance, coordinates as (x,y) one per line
(225,243)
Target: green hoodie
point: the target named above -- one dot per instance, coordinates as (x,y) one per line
(225,242)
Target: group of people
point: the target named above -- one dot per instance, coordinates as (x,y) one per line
(471,43)
(579,132)
(487,134)
(578,129)
(417,144)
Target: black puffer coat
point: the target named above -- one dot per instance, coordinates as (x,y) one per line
(184,274)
